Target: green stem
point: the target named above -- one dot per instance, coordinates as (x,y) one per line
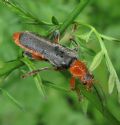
(71,17)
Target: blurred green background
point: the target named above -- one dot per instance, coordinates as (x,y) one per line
(59,107)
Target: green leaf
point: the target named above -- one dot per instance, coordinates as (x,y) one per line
(52,85)
(41,23)
(92,97)
(85,103)
(109,38)
(96,61)
(118,87)
(36,77)
(108,63)
(88,35)
(85,36)
(98,103)
(110,66)
(2,79)
(9,66)
(113,72)
(27,16)
(111,82)
(54,20)
(17,103)
(85,49)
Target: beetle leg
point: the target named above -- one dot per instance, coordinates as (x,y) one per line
(76,46)
(76,49)
(75,26)
(72,83)
(56,36)
(29,55)
(34,72)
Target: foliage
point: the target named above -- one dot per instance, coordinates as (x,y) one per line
(43,112)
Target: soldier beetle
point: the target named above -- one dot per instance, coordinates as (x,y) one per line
(59,56)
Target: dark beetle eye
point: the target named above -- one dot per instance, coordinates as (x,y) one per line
(88,77)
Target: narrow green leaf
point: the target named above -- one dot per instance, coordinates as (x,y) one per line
(93,99)
(14,7)
(17,103)
(109,38)
(36,77)
(112,71)
(118,87)
(41,23)
(2,79)
(111,82)
(108,63)
(85,48)
(82,37)
(52,85)
(1,64)
(98,103)
(96,61)
(8,67)
(88,35)
(54,20)
(25,14)
(85,36)
(85,103)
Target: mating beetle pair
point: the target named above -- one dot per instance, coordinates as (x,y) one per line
(61,57)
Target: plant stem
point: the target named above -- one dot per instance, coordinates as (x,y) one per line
(71,17)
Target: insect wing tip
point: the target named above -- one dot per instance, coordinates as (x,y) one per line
(16,36)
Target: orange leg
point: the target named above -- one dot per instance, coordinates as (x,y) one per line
(72,83)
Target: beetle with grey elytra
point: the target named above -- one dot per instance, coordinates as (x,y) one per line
(59,56)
